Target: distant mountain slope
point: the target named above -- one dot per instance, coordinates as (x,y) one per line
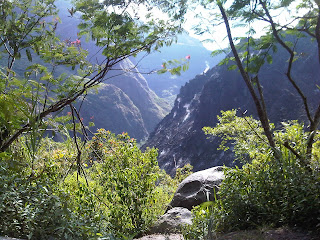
(113,109)
(166,85)
(125,103)
(179,137)
(152,108)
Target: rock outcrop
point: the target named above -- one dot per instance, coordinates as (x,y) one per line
(197,188)
(125,103)
(172,221)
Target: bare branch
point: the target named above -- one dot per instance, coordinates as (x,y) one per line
(291,59)
(261,112)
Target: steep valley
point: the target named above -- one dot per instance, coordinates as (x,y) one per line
(179,136)
(131,99)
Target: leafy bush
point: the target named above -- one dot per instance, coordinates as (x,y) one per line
(267,190)
(128,179)
(275,193)
(32,207)
(36,202)
(115,191)
(202,227)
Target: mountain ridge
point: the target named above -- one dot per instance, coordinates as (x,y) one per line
(179,136)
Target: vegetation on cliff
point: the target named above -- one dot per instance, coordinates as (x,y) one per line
(269,189)
(104,186)
(83,187)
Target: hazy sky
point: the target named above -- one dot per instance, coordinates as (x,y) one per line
(218,33)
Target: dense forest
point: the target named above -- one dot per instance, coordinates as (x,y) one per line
(61,180)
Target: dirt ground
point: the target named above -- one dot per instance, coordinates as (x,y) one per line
(270,234)
(162,237)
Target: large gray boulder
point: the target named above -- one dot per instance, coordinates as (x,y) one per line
(172,221)
(197,188)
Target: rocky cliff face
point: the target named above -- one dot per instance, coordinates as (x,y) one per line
(125,103)
(179,137)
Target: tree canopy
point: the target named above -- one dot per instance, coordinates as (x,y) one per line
(33,89)
(79,188)
(265,27)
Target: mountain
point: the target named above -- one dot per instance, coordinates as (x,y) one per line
(179,136)
(128,101)
(167,85)
(125,103)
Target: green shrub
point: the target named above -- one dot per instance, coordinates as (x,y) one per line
(33,209)
(116,191)
(266,191)
(127,178)
(276,193)
(202,227)
(273,193)
(34,201)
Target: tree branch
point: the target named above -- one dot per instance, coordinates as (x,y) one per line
(261,112)
(292,55)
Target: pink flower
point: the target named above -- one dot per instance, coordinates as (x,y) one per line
(69,113)
(78,42)
(81,119)
(92,117)
(162,66)
(188,57)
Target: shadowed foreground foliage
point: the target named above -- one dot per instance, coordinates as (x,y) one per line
(266,191)
(117,194)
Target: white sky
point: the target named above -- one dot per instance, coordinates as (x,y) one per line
(219,34)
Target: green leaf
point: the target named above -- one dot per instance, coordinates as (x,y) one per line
(232,67)
(29,55)
(161,71)
(269,59)
(216,52)
(274,48)
(289,44)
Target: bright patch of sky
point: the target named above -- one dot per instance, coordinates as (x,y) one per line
(215,34)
